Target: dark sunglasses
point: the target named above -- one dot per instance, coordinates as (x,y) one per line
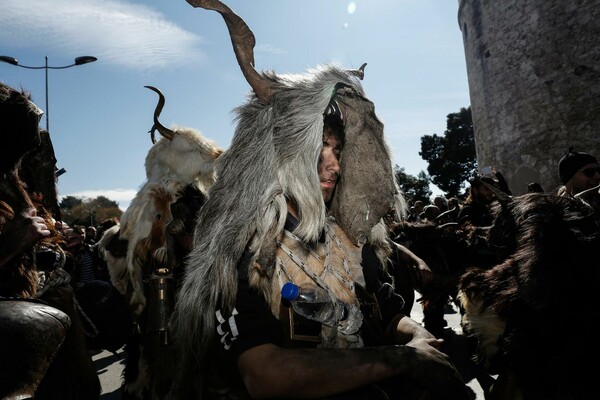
(590,172)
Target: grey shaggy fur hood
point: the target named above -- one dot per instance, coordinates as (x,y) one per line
(273,156)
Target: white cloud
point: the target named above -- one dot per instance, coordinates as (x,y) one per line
(131,36)
(122,196)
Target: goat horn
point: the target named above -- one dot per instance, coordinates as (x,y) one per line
(588,195)
(243,42)
(166,132)
(359,72)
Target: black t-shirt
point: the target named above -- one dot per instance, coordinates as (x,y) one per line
(252,323)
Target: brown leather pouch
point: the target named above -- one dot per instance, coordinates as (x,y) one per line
(31,333)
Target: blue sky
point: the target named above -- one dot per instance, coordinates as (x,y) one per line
(100,113)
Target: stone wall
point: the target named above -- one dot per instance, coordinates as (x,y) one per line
(534,80)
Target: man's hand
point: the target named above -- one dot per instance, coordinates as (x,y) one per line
(423,273)
(432,369)
(20,234)
(426,364)
(26,229)
(34,226)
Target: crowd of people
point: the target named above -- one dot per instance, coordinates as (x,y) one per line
(258,334)
(254,341)
(578,172)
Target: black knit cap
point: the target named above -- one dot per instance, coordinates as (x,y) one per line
(572,162)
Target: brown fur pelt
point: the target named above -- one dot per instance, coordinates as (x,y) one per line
(20,127)
(448,251)
(37,271)
(19,278)
(534,311)
(37,170)
(144,226)
(71,375)
(153,238)
(21,140)
(173,165)
(113,250)
(20,135)
(151,361)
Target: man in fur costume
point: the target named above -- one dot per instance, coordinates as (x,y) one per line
(300,197)
(43,352)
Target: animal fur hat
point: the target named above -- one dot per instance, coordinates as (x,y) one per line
(572,162)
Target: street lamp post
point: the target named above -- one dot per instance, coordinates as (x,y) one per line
(78,61)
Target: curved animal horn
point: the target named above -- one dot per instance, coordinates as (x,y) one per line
(166,132)
(590,196)
(359,72)
(243,42)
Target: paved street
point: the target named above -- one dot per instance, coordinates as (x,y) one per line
(110,365)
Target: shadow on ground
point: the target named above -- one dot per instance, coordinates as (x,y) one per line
(109,366)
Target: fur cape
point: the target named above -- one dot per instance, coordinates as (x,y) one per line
(171,164)
(273,157)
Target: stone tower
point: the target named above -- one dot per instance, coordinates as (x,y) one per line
(534,80)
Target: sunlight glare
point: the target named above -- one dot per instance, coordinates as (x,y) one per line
(351,7)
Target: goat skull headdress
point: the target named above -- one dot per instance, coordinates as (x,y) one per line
(273,157)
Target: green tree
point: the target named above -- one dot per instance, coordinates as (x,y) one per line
(85,211)
(415,188)
(451,157)
(105,202)
(69,202)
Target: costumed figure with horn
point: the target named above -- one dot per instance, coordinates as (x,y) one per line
(146,251)
(300,197)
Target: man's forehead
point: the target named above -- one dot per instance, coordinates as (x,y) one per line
(331,137)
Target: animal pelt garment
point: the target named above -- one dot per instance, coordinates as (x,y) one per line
(273,157)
